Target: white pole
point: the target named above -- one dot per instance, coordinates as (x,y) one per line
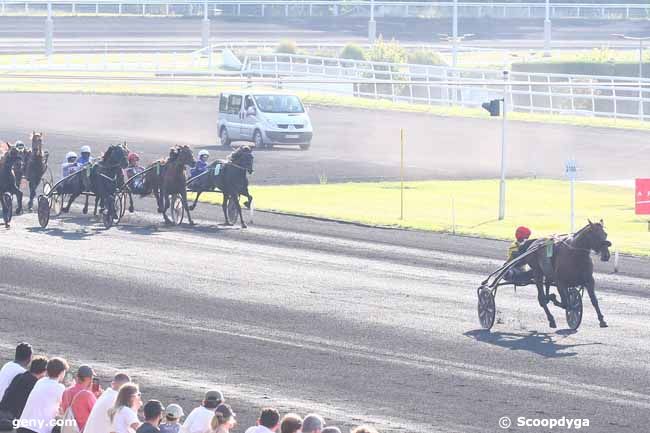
(205,27)
(573,219)
(640,78)
(49,31)
(547,30)
(616,258)
(372,24)
(502,183)
(454,35)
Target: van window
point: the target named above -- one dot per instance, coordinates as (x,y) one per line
(279,103)
(248,102)
(234,104)
(223,103)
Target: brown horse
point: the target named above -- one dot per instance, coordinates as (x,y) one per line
(167,177)
(571,266)
(8,178)
(35,165)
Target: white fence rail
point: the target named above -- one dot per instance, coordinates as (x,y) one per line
(617,97)
(332,8)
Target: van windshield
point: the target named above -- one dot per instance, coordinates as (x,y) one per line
(279,104)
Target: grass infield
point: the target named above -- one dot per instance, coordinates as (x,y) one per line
(466,207)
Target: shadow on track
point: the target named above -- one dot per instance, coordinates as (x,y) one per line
(541,343)
(71,235)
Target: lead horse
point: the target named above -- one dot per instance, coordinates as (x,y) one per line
(571,266)
(8,179)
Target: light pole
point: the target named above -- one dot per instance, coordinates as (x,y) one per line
(640,40)
(502,182)
(49,31)
(455,40)
(372,24)
(205,26)
(547,30)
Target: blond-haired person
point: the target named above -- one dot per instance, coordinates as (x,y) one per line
(223,419)
(124,414)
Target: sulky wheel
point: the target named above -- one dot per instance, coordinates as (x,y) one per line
(573,308)
(7,208)
(486,308)
(43,211)
(47,187)
(177,210)
(119,207)
(232,209)
(57,204)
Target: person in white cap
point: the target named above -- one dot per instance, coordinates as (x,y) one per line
(173,415)
(198,421)
(85,157)
(70,164)
(201,163)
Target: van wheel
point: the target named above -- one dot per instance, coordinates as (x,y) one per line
(224,138)
(259,141)
(305,146)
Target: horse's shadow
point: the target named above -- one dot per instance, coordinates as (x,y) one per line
(541,343)
(71,235)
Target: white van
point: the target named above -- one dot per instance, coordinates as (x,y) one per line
(263,118)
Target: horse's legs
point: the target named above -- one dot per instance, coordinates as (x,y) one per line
(159,198)
(224,207)
(85,209)
(196,199)
(98,200)
(131,208)
(241,217)
(32,193)
(19,198)
(543,300)
(166,203)
(246,194)
(590,286)
(187,208)
(73,197)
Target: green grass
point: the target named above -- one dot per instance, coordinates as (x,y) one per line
(542,205)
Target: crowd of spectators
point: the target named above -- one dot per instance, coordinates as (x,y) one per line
(35,400)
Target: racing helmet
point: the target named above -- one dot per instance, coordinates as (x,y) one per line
(85,149)
(133,157)
(204,152)
(19,145)
(522,233)
(70,155)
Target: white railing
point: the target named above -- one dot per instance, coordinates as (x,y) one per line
(304,8)
(618,97)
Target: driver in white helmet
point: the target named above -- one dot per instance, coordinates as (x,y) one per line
(201,163)
(19,145)
(70,165)
(85,157)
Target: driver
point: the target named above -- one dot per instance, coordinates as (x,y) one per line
(201,163)
(70,165)
(85,156)
(518,273)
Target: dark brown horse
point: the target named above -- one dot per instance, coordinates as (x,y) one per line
(230,179)
(8,178)
(570,266)
(167,177)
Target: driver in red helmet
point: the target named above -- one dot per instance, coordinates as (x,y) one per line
(518,273)
(133,169)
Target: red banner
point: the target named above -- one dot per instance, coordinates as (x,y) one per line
(642,197)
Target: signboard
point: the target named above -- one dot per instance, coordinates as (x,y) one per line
(570,168)
(642,197)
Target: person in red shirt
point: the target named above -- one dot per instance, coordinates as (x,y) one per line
(80,396)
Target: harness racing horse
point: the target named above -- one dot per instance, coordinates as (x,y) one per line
(231,180)
(167,177)
(571,267)
(102,179)
(35,165)
(8,178)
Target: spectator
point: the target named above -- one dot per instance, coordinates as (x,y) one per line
(153,412)
(10,370)
(313,423)
(98,421)
(43,403)
(331,430)
(223,420)
(124,414)
(198,421)
(80,396)
(173,415)
(291,423)
(364,429)
(16,395)
(269,421)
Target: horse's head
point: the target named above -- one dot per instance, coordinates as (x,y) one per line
(243,157)
(115,156)
(185,156)
(37,142)
(11,156)
(598,240)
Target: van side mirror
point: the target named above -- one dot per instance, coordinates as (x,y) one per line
(251,111)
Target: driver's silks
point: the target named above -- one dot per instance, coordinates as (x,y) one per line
(217,169)
(88,171)
(157,169)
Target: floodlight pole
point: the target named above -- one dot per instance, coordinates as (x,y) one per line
(205,26)
(454,35)
(49,31)
(372,24)
(547,30)
(502,182)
